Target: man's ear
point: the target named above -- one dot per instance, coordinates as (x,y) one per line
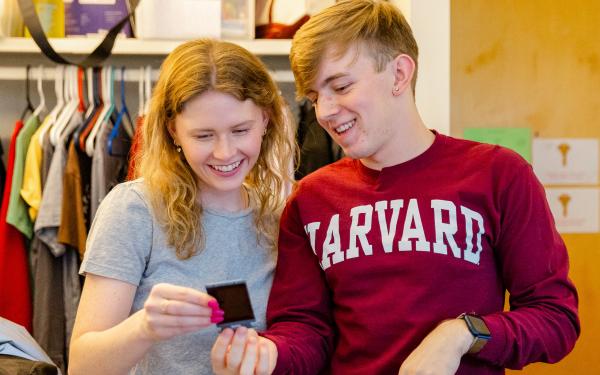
(403,67)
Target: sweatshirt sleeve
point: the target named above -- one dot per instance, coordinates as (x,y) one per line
(299,310)
(542,324)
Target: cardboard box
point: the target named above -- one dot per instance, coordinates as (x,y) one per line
(90,17)
(178,19)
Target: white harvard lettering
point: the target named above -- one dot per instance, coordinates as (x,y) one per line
(360,231)
(332,244)
(445,229)
(412,233)
(311,230)
(388,231)
(413,216)
(470,216)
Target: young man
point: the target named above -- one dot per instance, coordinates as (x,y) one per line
(397,259)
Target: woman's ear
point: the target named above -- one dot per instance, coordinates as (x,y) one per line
(265,120)
(172,133)
(403,67)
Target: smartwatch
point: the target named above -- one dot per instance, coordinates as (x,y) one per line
(478,329)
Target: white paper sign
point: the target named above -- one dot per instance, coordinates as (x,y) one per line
(575,210)
(566,160)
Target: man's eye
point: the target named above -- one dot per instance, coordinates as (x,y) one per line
(342,88)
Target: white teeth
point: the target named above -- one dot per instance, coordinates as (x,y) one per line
(226,168)
(342,128)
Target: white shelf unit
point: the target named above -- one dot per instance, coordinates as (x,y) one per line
(130,46)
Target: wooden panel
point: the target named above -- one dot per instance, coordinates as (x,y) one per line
(535,63)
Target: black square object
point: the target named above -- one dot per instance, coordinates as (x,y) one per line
(234,300)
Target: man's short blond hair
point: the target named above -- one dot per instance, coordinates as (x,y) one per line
(375,25)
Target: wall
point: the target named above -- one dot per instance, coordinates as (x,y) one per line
(535,63)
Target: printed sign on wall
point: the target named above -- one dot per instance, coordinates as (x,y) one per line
(575,210)
(566,160)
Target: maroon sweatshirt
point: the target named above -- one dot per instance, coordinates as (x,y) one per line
(371,262)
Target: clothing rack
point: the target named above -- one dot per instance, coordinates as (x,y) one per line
(18,73)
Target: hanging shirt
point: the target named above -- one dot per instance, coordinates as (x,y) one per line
(57,288)
(17,209)
(15,300)
(73,227)
(2,174)
(136,146)
(317,149)
(48,294)
(31,190)
(107,170)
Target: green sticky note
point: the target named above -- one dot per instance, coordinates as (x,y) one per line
(517,139)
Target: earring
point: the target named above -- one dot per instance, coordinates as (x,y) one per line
(396,91)
(265,132)
(177,147)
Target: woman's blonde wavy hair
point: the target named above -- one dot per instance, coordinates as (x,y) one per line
(190,70)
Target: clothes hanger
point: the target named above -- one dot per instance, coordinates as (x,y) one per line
(107,111)
(93,113)
(123,118)
(42,106)
(97,119)
(28,107)
(69,110)
(59,80)
(91,92)
(126,121)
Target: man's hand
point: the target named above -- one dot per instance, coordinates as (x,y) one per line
(440,352)
(243,352)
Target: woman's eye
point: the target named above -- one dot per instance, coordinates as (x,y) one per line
(203,136)
(241,131)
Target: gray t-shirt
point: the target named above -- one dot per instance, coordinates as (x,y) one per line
(127,243)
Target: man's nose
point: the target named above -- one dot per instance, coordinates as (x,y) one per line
(326,109)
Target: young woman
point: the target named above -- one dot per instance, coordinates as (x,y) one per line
(215,161)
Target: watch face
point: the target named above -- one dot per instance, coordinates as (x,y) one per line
(478,325)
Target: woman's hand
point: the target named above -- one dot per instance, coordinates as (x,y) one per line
(172,310)
(243,352)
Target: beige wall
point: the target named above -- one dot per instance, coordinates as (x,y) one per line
(535,63)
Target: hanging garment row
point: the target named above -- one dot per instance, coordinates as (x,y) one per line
(61,163)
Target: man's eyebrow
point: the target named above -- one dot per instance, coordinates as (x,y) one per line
(332,78)
(326,82)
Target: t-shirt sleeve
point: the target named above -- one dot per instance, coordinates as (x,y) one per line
(120,239)
(299,316)
(542,324)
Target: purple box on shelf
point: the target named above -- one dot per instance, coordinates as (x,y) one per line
(84,17)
